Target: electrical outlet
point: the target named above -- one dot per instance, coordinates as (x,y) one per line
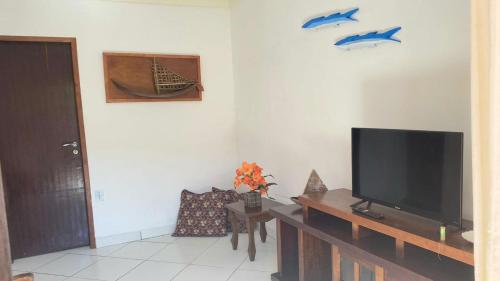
(99,195)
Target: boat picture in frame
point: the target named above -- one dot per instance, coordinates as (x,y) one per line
(134,77)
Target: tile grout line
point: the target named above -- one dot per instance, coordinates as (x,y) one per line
(210,246)
(66,253)
(239,268)
(177,274)
(44,264)
(202,253)
(166,244)
(91,264)
(143,261)
(191,262)
(86,279)
(206,250)
(52,274)
(236,269)
(132,269)
(98,259)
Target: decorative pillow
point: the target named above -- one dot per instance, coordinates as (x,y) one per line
(201,215)
(231,196)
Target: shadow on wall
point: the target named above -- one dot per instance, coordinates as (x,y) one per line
(422,100)
(435,99)
(290,157)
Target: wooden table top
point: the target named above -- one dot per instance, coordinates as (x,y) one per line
(239,208)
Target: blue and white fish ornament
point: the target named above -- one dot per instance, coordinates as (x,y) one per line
(371,39)
(337,18)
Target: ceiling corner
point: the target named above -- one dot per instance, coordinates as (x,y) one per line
(195,3)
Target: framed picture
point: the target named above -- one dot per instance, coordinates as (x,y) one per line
(133,77)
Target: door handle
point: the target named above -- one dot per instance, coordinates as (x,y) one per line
(72,144)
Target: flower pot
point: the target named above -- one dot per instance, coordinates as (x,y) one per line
(253,200)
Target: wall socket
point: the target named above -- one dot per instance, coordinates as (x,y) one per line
(99,195)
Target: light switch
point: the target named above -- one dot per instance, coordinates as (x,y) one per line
(99,195)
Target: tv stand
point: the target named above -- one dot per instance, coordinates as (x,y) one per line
(356,207)
(404,227)
(316,238)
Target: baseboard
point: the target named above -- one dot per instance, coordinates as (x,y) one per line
(117,239)
(133,236)
(157,231)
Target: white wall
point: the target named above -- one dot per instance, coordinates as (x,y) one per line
(297,96)
(143,154)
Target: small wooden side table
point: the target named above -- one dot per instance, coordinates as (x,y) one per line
(237,211)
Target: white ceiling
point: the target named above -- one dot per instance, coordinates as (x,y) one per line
(201,3)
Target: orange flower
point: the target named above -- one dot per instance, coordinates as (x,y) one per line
(246,168)
(262,181)
(257,169)
(246,180)
(250,174)
(256,177)
(237,182)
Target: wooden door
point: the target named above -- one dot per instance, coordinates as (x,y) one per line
(40,148)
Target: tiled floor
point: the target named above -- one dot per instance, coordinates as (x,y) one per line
(160,258)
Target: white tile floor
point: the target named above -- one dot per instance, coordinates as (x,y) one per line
(160,258)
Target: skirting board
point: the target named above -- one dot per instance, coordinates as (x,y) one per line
(158,231)
(164,230)
(117,239)
(133,236)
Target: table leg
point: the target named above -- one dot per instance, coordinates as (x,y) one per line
(263,232)
(235,228)
(251,239)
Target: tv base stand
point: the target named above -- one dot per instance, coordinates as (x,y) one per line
(404,227)
(324,240)
(356,207)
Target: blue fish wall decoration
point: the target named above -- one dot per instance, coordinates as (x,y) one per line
(336,18)
(369,39)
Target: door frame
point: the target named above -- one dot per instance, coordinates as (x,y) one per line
(81,128)
(5,271)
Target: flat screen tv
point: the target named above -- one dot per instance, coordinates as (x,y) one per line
(418,172)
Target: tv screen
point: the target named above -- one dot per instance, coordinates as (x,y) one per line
(414,171)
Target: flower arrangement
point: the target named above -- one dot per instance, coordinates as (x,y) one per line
(251,175)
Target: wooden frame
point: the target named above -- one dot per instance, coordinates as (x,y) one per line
(5,272)
(81,128)
(109,86)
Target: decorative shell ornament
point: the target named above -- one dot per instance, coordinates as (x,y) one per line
(314,184)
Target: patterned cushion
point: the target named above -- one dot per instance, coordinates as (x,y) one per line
(201,215)
(231,196)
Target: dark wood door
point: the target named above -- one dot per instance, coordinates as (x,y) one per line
(40,149)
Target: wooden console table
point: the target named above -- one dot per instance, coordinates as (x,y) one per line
(312,242)
(402,226)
